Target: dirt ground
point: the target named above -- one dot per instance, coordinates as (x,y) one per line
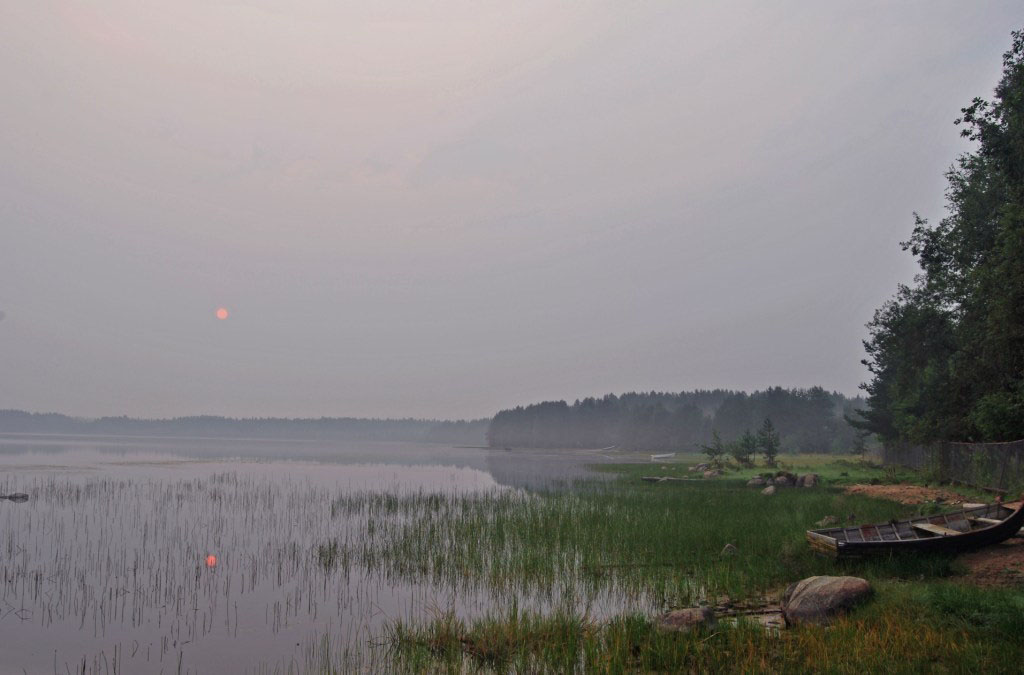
(998,565)
(907,494)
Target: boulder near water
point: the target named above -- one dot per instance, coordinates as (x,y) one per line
(820,599)
(756,481)
(684,620)
(770,490)
(807,480)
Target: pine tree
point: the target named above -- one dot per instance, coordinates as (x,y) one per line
(768,438)
(716,450)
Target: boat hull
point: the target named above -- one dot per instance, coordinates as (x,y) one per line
(943,533)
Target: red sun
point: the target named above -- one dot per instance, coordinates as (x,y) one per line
(222,313)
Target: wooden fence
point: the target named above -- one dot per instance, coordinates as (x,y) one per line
(997,466)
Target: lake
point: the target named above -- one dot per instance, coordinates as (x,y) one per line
(170,555)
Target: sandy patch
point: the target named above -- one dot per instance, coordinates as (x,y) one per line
(907,494)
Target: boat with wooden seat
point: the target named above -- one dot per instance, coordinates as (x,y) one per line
(961,530)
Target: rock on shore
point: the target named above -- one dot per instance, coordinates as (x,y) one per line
(820,599)
(684,620)
(807,480)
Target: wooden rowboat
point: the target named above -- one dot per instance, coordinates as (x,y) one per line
(946,532)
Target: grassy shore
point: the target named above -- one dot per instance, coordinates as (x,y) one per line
(664,543)
(911,627)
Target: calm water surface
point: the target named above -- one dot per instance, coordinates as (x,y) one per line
(142,555)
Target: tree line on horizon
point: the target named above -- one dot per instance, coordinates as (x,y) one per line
(946,353)
(806,420)
(323,428)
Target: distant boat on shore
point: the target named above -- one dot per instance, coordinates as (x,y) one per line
(659,458)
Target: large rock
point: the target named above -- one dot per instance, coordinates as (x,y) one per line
(756,481)
(782,481)
(712,473)
(807,480)
(770,490)
(819,599)
(685,620)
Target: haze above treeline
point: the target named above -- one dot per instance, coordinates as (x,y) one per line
(485,203)
(809,420)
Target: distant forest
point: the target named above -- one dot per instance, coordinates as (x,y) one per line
(325,428)
(808,420)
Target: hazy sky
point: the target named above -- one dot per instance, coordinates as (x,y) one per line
(443,209)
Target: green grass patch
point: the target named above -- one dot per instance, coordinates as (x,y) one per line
(909,628)
(833,470)
(663,540)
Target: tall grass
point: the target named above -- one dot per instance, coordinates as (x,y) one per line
(911,628)
(661,542)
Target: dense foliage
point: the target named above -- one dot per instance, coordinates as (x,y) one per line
(807,420)
(947,353)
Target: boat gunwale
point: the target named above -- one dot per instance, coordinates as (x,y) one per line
(826,531)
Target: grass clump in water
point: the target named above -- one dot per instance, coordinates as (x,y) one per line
(328,555)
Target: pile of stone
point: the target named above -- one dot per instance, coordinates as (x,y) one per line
(706,470)
(783,479)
